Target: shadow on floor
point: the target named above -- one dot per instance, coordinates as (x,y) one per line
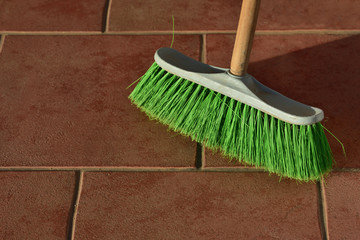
(325,76)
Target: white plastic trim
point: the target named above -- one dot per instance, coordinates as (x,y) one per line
(245,89)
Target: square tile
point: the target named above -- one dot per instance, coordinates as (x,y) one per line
(201,205)
(36,205)
(63,102)
(128,15)
(53,15)
(308,14)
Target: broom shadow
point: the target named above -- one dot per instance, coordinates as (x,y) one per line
(325,76)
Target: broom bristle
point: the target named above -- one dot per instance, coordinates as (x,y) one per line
(236,129)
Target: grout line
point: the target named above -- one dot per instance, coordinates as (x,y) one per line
(185,32)
(203,159)
(346,170)
(78,191)
(325,208)
(134,169)
(203,57)
(51,33)
(2,40)
(145,169)
(322,204)
(108,5)
(308,32)
(200,149)
(198,157)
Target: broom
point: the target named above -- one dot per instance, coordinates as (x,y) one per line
(230,111)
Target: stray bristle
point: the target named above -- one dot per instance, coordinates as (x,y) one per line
(236,129)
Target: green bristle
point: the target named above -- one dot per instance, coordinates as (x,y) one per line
(236,129)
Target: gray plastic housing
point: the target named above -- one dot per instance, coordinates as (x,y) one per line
(245,89)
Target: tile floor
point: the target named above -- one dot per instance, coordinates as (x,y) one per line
(78,161)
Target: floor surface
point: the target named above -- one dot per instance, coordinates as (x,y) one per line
(79,161)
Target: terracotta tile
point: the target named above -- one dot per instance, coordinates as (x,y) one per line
(308,14)
(63,101)
(216,159)
(140,15)
(319,70)
(219,15)
(200,205)
(58,15)
(342,195)
(35,205)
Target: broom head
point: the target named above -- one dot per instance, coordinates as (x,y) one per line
(237,116)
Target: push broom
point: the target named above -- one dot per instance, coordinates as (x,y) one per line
(229,110)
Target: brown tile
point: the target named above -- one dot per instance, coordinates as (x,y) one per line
(63,101)
(308,14)
(319,70)
(35,205)
(220,15)
(196,206)
(140,15)
(216,159)
(58,15)
(342,195)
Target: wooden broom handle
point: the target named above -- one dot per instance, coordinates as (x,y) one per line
(244,37)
